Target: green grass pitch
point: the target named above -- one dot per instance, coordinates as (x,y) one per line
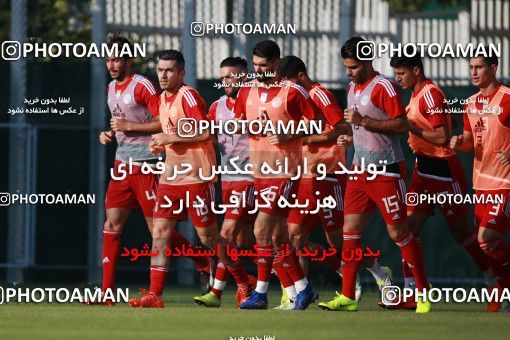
(183,319)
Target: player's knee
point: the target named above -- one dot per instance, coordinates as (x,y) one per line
(210,241)
(228,234)
(110,225)
(397,233)
(486,235)
(297,240)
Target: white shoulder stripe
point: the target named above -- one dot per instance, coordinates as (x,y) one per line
(302,90)
(148,86)
(323,97)
(429,99)
(189,98)
(388,86)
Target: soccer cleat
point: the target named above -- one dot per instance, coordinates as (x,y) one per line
(207,277)
(286,305)
(148,300)
(255,301)
(387,281)
(208,300)
(305,298)
(358,290)
(244,290)
(493,306)
(340,303)
(423,306)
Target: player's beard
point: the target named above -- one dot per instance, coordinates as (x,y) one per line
(233,93)
(121,74)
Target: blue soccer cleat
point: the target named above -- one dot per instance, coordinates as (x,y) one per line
(255,301)
(305,298)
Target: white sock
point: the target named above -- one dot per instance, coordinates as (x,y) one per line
(409,282)
(377,271)
(262,287)
(301,285)
(219,285)
(291,293)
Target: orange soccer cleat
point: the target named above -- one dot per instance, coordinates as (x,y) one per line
(494,306)
(244,290)
(147,300)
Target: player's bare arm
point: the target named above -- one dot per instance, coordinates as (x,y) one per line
(162,139)
(462,143)
(439,135)
(388,127)
(503,157)
(106,137)
(339,129)
(120,124)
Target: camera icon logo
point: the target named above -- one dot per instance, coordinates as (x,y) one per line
(391,295)
(365,50)
(5,199)
(197,29)
(187,127)
(412,199)
(11,50)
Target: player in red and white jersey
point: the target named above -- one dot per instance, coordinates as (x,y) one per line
(238,222)
(323,149)
(129,95)
(487,133)
(377,116)
(181,192)
(437,169)
(288,103)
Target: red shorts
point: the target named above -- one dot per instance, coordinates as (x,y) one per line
(332,219)
(430,185)
(135,190)
(387,192)
(177,196)
(495,216)
(273,189)
(244,190)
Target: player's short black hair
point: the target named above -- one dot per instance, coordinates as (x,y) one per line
(350,48)
(491,58)
(407,62)
(119,40)
(267,49)
(173,55)
(235,62)
(290,66)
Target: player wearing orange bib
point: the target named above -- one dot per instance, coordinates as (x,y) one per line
(437,168)
(487,132)
(237,224)
(268,101)
(181,191)
(129,98)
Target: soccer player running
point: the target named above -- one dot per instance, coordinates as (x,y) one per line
(487,132)
(129,96)
(377,116)
(437,170)
(323,149)
(268,100)
(237,225)
(184,188)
